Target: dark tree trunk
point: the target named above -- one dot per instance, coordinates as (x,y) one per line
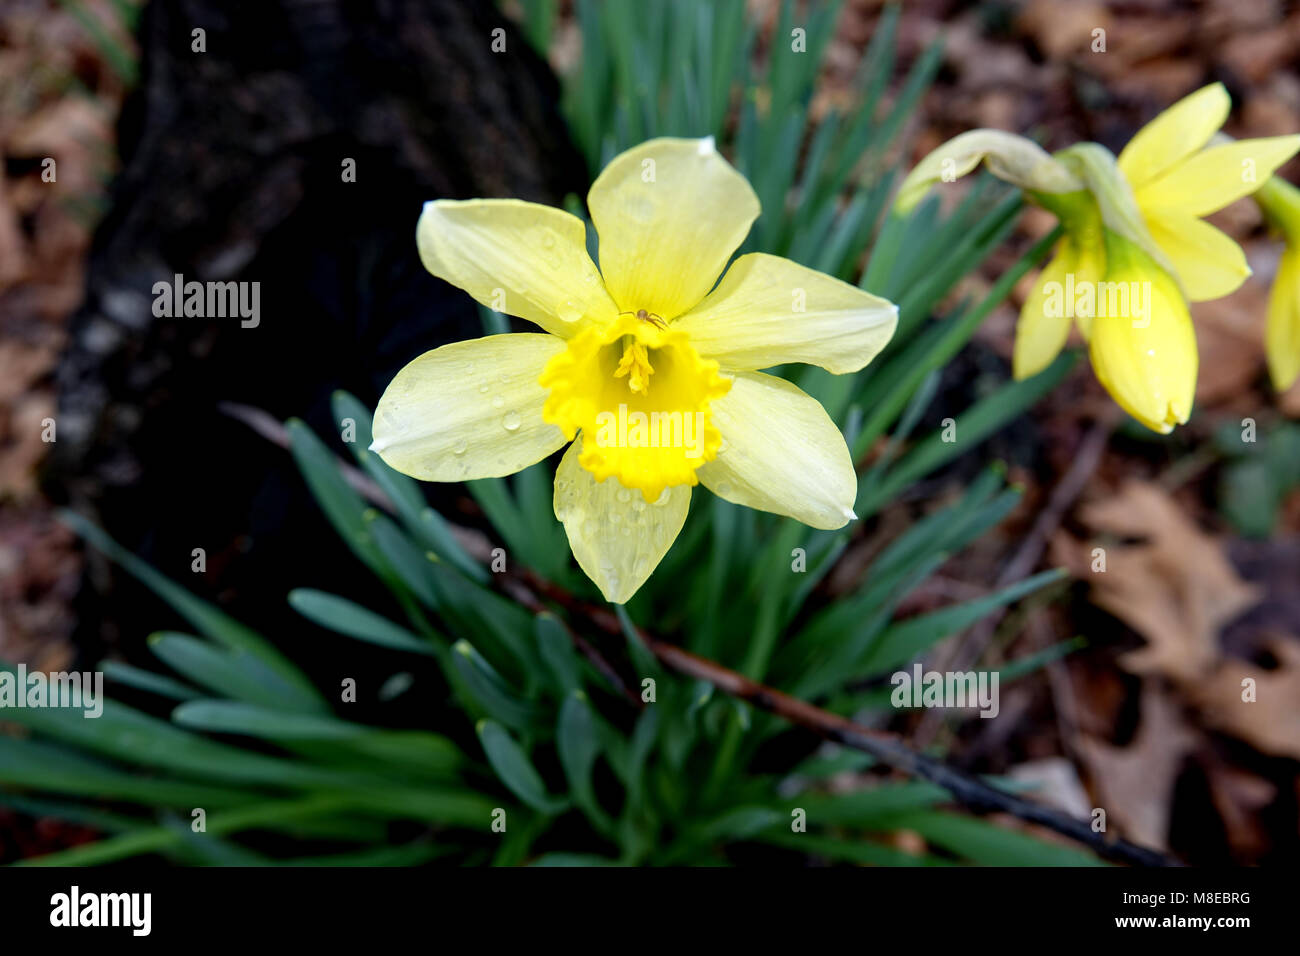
(232,170)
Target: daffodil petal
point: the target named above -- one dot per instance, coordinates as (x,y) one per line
(517,257)
(768,311)
(1209,263)
(1045,317)
(617,536)
(669,214)
(1217,176)
(469,410)
(1174,135)
(781,453)
(1282,336)
(1147,363)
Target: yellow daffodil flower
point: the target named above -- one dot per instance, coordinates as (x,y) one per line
(1176,181)
(1110,276)
(649,370)
(1135,248)
(1281,204)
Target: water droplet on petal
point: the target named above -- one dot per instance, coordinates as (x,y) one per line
(459,447)
(641,209)
(511,421)
(497,401)
(624,496)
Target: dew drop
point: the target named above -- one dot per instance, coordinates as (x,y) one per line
(641,209)
(624,496)
(611,576)
(497,401)
(511,421)
(459,447)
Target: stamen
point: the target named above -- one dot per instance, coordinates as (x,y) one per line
(635,364)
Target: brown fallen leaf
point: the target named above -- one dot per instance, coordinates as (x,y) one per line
(1135,784)
(1174,586)
(1064,31)
(1271,721)
(1240,797)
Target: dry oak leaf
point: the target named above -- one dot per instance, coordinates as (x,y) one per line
(1270,722)
(1135,784)
(1175,586)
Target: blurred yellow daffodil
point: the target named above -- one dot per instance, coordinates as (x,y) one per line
(1135,249)
(648,369)
(1281,204)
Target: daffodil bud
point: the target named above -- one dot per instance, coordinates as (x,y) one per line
(1011,158)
